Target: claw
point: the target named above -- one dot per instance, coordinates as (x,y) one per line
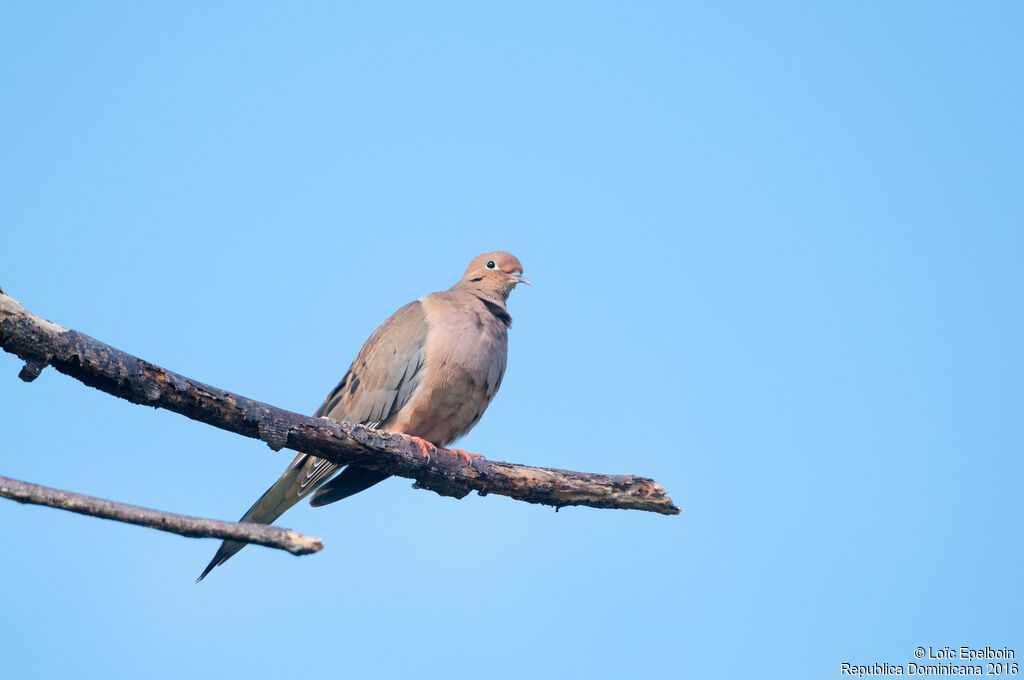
(423,445)
(465,454)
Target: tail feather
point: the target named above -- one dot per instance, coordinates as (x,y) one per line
(288,490)
(351,481)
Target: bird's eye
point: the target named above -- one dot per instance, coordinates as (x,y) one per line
(490,264)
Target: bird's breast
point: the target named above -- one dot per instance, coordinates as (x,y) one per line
(464,361)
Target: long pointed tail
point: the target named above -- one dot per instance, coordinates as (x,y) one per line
(304,475)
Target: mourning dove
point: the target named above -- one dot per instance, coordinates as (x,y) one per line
(429,371)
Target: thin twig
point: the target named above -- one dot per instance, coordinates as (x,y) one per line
(193,527)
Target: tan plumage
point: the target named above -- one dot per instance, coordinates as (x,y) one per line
(429,371)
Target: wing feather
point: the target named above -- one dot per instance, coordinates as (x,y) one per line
(380,381)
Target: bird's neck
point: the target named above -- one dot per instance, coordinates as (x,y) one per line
(492,299)
(492,293)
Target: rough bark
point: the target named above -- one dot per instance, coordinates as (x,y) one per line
(41,343)
(193,527)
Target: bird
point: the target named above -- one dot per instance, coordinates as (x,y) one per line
(428,372)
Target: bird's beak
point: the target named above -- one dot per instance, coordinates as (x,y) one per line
(519,278)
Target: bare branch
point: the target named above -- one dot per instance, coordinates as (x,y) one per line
(40,343)
(193,527)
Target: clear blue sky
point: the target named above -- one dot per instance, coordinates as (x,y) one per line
(777,264)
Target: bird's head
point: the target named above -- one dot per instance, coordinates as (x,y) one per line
(496,273)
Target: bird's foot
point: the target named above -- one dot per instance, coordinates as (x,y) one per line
(423,445)
(465,454)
